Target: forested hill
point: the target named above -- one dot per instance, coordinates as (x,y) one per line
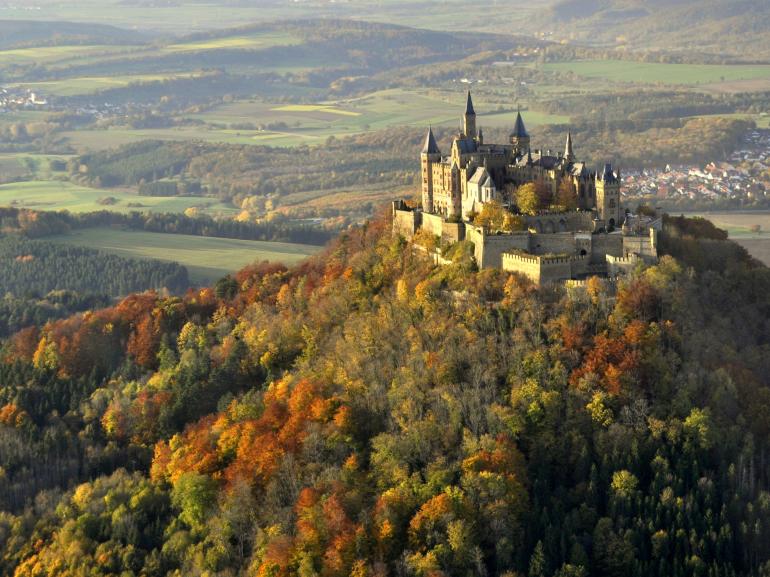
(735,27)
(367,414)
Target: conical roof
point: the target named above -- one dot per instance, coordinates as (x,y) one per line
(519,130)
(430,146)
(568,153)
(469,111)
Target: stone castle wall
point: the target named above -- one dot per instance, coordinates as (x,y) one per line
(406,222)
(604,244)
(545,269)
(560,222)
(489,249)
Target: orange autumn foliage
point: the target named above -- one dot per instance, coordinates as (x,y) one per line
(250,448)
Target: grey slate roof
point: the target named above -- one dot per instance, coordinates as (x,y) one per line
(519,130)
(469,106)
(430,146)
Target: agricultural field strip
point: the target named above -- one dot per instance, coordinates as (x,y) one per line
(647,72)
(207,258)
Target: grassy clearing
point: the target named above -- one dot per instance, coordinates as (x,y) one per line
(207,259)
(93,84)
(648,72)
(61,195)
(51,54)
(249,42)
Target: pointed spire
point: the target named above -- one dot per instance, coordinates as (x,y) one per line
(568,152)
(469,111)
(430,143)
(519,130)
(529,157)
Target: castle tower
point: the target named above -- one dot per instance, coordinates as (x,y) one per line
(469,118)
(519,136)
(608,197)
(430,154)
(569,154)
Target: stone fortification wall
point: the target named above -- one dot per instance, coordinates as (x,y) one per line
(604,244)
(406,222)
(489,249)
(433,223)
(621,265)
(558,243)
(545,269)
(548,223)
(644,246)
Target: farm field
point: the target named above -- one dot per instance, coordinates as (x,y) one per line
(313,123)
(207,259)
(62,195)
(653,73)
(51,54)
(738,226)
(245,42)
(93,84)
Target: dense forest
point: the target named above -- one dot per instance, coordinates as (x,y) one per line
(366,413)
(32,268)
(42,223)
(20,312)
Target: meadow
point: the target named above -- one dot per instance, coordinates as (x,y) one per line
(206,258)
(77,86)
(656,73)
(314,123)
(63,195)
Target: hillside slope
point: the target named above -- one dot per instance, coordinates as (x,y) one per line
(368,414)
(734,27)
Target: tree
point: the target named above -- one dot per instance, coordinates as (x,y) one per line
(566,196)
(527,199)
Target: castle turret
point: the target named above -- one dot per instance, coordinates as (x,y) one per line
(569,154)
(469,118)
(519,136)
(430,154)
(608,197)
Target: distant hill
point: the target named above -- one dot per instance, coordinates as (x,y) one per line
(20,34)
(735,27)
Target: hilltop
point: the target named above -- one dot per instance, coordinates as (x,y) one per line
(728,27)
(367,413)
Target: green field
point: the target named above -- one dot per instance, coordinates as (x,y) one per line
(51,54)
(245,42)
(648,72)
(92,84)
(313,123)
(206,258)
(62,195)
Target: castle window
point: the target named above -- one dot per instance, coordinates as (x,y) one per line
(612,203)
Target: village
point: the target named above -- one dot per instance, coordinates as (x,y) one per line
(743,177)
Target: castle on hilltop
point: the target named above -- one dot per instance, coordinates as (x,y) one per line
(598,237)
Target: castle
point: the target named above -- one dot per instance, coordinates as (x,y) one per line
(555,244)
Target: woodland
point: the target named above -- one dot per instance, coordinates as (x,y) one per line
(366,413)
